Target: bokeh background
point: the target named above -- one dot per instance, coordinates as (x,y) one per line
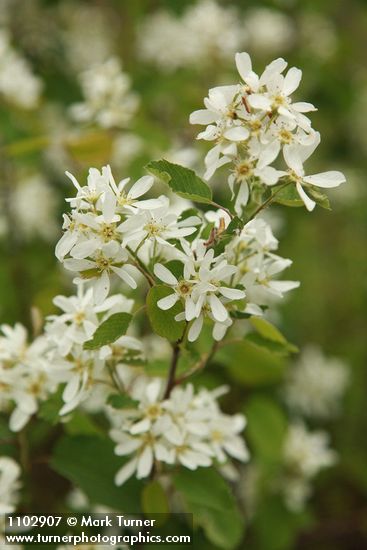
(172,52)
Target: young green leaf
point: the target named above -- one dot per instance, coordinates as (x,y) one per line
(287,196)
(154,499)
(109,331)
(183,181)
(163,321)
(270,337)
(208,497)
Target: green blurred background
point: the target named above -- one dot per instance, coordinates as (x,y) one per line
(328,40)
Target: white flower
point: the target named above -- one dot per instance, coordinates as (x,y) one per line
(108,260)
(258,265)
(203,289)
(305,454)
(316,384)
(80,317)
(205,34)
(295,156)
(108,99)
(9,484)
(159,224)
(17,82)
(33,204)
(24,374)
(185,428)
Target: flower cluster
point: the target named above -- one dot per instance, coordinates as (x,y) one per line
(251,122)
(110,224)
(25,378)
(258,266)
(204,289)
(316,384)
(305,454)
(109,102)
(79,368)
(17,82)
(185,428)
(206,33)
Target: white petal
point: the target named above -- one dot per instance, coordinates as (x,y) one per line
(127,447)
(168,301)
(326,179)
(125,472)
(141,187)
(218,310)
(292,80)
(195,329)
(18,420)
(101,288)
(236,133)
(259,101)
(303,107)
(145,463)
(108,207)
(140,427)
(84,249)
(125,276)
(153,389)
(243,64)
(309,203)
(232,293)
(203,116)
(164,274)
(71,388)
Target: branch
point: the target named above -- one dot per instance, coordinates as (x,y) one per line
(268,201)
(140,266)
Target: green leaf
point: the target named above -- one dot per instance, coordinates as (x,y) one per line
(163,322)
(89,463)
(183,181)
(109,331)
(251,365)
(208,497)
(81,424)
(273,347)
(154,499)
(49,410)
(269,337)
(267,427)
(276,528)
(118,401)
(320,198)
(288,196)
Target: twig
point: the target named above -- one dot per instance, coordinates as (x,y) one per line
(139,265)
(268,201)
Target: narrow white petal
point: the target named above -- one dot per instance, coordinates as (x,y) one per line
(203,116)
(309,203)
(125,472)
(292,80)
(326,179)
(168,301)
(145,463)
(232,293)
(164,274)
(141,187)
(243,64)
(218,310)
(195,329)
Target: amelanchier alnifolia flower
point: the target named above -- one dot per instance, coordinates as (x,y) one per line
(187,428)
(204,289)
(251,122)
